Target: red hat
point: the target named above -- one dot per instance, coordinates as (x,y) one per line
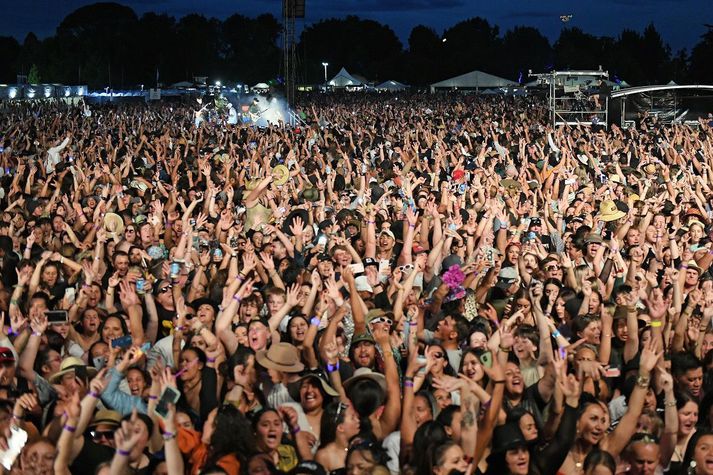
(6,355)
(458,174)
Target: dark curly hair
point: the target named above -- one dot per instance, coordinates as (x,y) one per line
(232,435)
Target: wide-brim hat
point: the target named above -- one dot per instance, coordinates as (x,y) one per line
(507,437)
(363,374)
(608,211)
(294,387)
(650,168)
(294,214)
(281,174)
(310,194)
(68,365)
(281,357)
(113,224)
(511,185)
(106,417)
(195,304)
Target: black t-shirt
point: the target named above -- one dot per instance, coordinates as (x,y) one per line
(90,457)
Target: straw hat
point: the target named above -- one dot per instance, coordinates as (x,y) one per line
(252,184)
(113,224)
(68,365)
(366,373)
(281,357)
(281,174)
(609,212)
(650,168)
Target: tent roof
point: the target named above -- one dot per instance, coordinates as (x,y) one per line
(343,79)
(182,84)
(261,85)
(475,79)
(392,85)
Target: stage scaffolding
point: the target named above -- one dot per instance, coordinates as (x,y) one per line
(291,11)
(577,97)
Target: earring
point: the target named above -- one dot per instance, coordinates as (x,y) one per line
(692,468)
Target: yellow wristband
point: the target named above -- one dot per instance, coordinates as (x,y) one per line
(656,323)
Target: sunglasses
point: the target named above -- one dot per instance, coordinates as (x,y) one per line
(165,289)
(437,354)
(340,409)
(99,435)
(388,321)
(551,268)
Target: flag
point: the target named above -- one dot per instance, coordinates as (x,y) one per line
(519,78)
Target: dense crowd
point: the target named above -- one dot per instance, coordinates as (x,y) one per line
(424,285)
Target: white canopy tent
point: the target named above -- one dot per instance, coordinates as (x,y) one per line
(344,79)
(473,80)
(391,85)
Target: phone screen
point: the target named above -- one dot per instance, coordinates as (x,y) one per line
(122,342)
(56,316)
(169,396)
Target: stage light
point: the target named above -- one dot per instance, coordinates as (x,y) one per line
(217,83)
(31,93)
(13,93)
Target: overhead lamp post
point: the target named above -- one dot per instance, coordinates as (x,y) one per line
(325,73)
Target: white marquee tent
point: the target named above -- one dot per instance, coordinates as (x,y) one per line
(344,79)
(391,85)
(473,80)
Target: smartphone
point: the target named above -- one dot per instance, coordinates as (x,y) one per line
(70,295)
(218,253)
(140,286)
(122,342)
(486,359)
(422,360)
(322,240)
(612,373)
(357,268)
(384,266)
(175,270)
(15,443)
(169,396)
(56,316)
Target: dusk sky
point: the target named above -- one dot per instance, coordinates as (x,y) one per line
(679,21)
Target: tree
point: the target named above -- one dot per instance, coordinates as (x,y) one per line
(33,76)
(10,52)
(424,55)
(471,44)
(575,49)
(701,69)
(524,48)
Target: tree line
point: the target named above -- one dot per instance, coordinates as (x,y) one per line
(108,44)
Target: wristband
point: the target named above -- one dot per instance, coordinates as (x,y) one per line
(168,435)
(69,428)
(656,323)
(506,350)
(10,331)
(14,302)
(556,334)
(408,384)
(295,430)
(315,321)
(411,226)
(210,360)
(331,368)
(237,298)
(240,278)
(94,394)
(153,398)
(123,453)
(408,378)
